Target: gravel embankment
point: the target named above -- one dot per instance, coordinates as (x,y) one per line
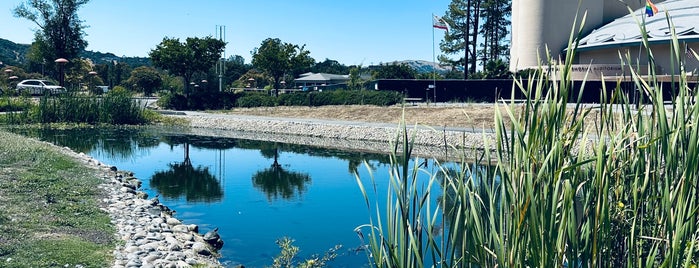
(148,234)
(362,136)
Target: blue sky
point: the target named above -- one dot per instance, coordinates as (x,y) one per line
(351,32)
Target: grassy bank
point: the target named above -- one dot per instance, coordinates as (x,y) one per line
(49,215)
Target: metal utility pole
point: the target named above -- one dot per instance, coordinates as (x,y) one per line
(221,66)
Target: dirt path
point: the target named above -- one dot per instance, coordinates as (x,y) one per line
(464,115)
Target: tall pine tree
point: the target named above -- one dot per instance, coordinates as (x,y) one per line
(469,20)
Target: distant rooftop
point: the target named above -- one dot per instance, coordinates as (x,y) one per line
(625,31)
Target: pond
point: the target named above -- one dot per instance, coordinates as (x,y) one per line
(255,192)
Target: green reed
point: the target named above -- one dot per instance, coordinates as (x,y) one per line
(116,108)
(568,187)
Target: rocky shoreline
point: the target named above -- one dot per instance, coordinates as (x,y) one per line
(147,233)
(445,144)
(149,236)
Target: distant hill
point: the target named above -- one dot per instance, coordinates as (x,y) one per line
(12,53)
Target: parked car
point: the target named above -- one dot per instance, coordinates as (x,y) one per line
(39,87)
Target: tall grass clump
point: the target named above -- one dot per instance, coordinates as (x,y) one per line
(115,107)
(609,185)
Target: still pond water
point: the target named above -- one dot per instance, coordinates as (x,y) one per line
(255,192)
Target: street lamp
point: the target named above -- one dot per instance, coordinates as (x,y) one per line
(61,78)
(251,81)
(92,77)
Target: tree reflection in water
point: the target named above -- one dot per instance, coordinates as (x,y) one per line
(277,182)
(196,184)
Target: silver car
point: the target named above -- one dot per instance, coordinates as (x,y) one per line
(39,87)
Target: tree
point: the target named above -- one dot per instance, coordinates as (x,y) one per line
(145,79)
(462,16)
(114,73)
(355,78)
(395,71)
(235,68)
(331,67)
(196,55)
(60,33)
(494,30)
(470,19)
(278,59)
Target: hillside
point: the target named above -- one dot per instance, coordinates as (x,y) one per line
(12,53)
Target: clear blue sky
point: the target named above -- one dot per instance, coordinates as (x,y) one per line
(351,31)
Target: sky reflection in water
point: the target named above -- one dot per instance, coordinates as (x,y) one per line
(255,192)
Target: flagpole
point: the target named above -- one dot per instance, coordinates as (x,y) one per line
(434,65)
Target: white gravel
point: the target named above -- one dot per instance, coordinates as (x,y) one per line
(376,137)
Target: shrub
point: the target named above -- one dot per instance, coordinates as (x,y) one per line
(248,100)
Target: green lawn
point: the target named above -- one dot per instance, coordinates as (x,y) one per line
(49,214)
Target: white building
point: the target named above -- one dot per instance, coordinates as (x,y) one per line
(610,29)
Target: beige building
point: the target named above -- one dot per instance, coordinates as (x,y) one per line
(544,26)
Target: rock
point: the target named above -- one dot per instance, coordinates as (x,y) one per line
(193,228)
(142,195)
(182,264)
(135,263)
(201,249)
(179,229)
(214,239)
(127,190)
(173,221)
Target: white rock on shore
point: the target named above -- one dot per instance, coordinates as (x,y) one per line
(149,235)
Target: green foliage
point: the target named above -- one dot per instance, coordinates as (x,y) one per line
(200,100)
(330,67)
(248,100)
(49,214)
(199,54)
(496,69)
(394,71)
(115,107)
(276,59)
(355,82)
(14,104)
(561,185)
(145,79)
(60,33)
(287,256)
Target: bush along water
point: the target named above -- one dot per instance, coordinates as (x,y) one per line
(224,100)
(116,107)
(569,185)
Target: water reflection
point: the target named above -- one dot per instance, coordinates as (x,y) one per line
(262,187)
(196,184)
(276,181)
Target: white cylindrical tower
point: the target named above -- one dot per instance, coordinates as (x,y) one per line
(541,24)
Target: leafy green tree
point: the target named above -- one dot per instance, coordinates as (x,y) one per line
(235,68)
(195,55)
(114,73)
(395,71)
(145,79)
(496,69)
(60,33)
(355,78)
(278,59)
(330,67)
